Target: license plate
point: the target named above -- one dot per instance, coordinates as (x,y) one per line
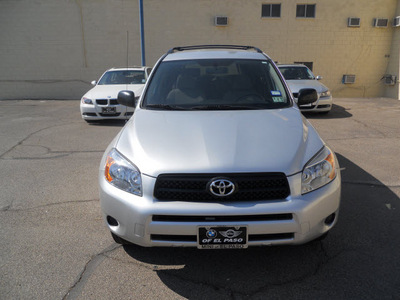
(222,237)
(108,110)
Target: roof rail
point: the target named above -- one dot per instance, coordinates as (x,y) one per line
(198,47)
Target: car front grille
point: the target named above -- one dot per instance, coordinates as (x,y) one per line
(110,115)
(313,106)
(307,107)
(248,186)
(105,101)
(102,101)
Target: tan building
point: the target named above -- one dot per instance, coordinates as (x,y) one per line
(53,49)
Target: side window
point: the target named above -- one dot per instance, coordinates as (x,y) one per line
(271,11)
(305,11)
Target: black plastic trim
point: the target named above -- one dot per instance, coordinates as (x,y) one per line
(236,218)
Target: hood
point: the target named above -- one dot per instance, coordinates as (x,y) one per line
(218,141)
(112,90)
(296,85)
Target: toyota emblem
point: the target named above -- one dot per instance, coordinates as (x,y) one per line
(221,187)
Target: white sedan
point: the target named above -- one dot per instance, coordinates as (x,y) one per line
(300,77)
(100,102)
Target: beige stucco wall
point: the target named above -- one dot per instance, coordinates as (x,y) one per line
(53,49)
(393,91)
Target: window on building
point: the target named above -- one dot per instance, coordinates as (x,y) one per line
(308,64)
(305,11)
(271,11)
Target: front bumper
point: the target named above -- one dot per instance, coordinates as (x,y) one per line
(145,221)
(93,112)
(323,104)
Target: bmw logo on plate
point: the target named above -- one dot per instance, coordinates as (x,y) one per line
(211,233)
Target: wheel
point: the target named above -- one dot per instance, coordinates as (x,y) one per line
(119,240)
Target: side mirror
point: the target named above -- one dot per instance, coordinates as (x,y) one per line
(307,96)
(94,82)
(318,77)
(127,98)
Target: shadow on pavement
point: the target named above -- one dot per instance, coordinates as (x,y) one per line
(358,259)
(337,112)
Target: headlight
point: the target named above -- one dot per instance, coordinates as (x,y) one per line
(87,100)
(122,174)
(319,171)
(325,94)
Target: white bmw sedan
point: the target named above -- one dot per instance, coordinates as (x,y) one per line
(100,102)
(300,77)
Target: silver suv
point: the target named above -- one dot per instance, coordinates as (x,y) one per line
(218,155)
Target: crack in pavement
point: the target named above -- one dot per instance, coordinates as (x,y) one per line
(76,289)
(324,258)
(358,137)
(31,134)
(61,154)
(370,184)
(369,127)
(48,151)
(8,207)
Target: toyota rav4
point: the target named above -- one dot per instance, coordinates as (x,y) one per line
(218,155)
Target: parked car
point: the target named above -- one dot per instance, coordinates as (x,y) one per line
(299,77)
(218,155)
(101,101)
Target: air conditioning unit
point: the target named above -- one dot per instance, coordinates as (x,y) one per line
(353,22)
(221,21)
(349,79)
(396,22)
(390,79)
(382,23)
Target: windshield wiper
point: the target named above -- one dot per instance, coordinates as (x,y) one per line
(164,106)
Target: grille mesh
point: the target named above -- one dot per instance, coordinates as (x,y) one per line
(102,101)
(249,187)
(105,101)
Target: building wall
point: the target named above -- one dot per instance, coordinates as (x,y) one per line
(393,91)
(334,48)
(53,49)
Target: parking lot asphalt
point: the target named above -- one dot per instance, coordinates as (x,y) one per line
(54,245)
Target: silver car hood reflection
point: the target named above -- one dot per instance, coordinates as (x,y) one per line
(218,141)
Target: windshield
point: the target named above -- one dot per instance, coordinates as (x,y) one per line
(296,73)
(123,77)
(215,84)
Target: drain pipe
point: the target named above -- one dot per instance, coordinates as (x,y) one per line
(141,16)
